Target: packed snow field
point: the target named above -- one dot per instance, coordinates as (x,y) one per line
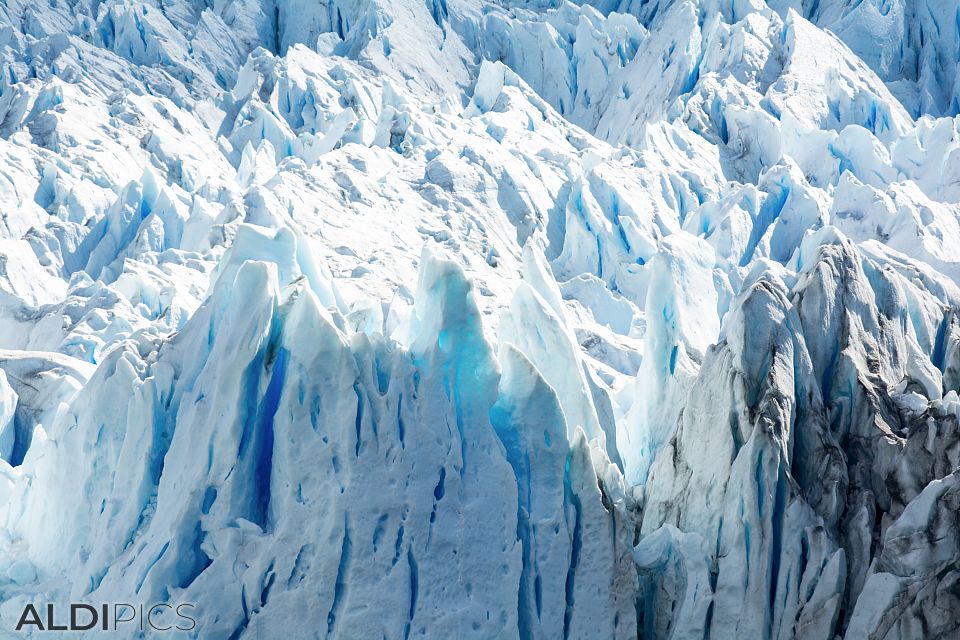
(469,319)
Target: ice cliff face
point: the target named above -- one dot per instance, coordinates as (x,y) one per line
(462,319)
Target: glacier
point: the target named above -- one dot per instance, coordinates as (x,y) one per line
(472,319)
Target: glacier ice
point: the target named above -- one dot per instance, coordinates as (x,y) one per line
(471,319)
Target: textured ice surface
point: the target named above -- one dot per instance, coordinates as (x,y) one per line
(470,319)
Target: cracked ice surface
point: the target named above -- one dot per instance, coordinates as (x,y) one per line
(471,319)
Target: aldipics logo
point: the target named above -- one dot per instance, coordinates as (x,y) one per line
(109,617)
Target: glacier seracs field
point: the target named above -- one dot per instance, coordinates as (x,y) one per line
(403,319)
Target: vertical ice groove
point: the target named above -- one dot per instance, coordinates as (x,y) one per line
(340,583)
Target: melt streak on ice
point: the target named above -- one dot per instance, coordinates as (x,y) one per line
(404,319)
